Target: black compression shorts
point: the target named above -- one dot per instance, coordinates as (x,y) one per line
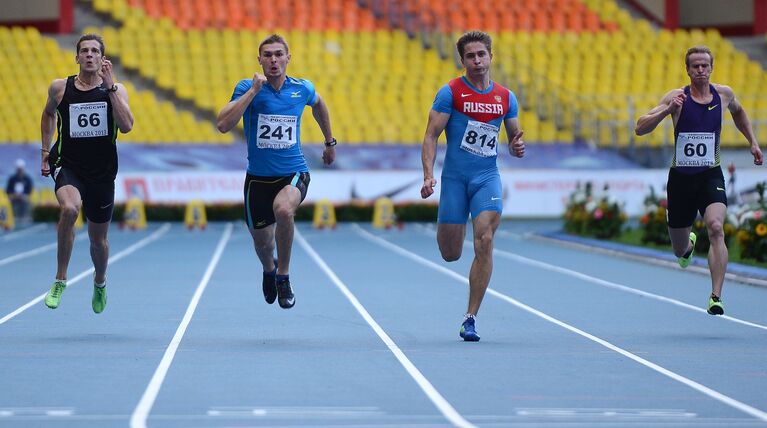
(260,193)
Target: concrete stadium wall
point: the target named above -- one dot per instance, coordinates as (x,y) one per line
(29,10)
(706,13)
(48,16)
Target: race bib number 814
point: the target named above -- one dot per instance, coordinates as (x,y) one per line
(480,139)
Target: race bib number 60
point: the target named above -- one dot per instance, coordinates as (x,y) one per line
(276,131)
(480,139)
(695,149)
(88,120)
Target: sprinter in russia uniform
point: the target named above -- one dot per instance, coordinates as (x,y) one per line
(470,179)
(471,110)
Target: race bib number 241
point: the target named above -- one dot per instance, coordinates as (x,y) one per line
(276,131)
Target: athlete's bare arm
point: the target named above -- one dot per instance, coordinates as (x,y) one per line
(435,127)
(514,134)
(322,116)
(48,121)
(671,103)
(231,114)
(742,122)
(120,107)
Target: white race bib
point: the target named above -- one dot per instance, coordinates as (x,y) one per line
(88,120)
(695,149)
(480,139)
(276,131)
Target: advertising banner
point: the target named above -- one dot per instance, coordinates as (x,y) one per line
(527,193)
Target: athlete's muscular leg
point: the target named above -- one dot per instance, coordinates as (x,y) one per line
(680,240)
(717,253)
(285,205)
(485,225)
(450,240)
(70,204)
(97,232)
(263,242)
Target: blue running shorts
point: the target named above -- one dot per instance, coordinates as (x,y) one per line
(461,195)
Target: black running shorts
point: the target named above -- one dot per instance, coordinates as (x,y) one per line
(260,193)
(98,198)
(690,194)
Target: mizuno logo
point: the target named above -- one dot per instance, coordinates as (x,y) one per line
(712,107)
(296,94)
(465,95)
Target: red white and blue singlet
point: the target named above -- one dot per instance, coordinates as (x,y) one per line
(470,179)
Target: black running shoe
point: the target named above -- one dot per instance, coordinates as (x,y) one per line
(269,285)
(286,299)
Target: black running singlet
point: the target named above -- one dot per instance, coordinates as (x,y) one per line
(696,134)
(87,134)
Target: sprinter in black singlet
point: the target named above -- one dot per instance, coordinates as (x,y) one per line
(87,110)
(695,180)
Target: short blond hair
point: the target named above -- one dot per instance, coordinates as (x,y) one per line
(698,49)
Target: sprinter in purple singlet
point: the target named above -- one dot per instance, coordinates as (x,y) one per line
(695,180)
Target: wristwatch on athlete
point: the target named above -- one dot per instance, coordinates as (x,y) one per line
(113,88)
(331,143)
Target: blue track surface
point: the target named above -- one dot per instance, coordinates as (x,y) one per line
(570,337)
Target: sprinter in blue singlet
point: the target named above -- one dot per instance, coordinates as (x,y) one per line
(271,105)
(695,180)
(470,109)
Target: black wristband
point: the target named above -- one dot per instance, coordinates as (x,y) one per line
(331,143)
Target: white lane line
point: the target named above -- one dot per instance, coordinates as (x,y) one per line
(759,414)
(21,232)
(613,285)
(137,246)
(607,284)
(439,401)
(703,270)
(36,251)
(141,412)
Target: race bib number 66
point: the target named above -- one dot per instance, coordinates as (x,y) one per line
(88,120)
(276,131)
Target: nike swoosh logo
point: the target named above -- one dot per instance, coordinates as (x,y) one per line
(495,199)
(388,194)
(719,188)
(106,206)
(465,95)
(712,107)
